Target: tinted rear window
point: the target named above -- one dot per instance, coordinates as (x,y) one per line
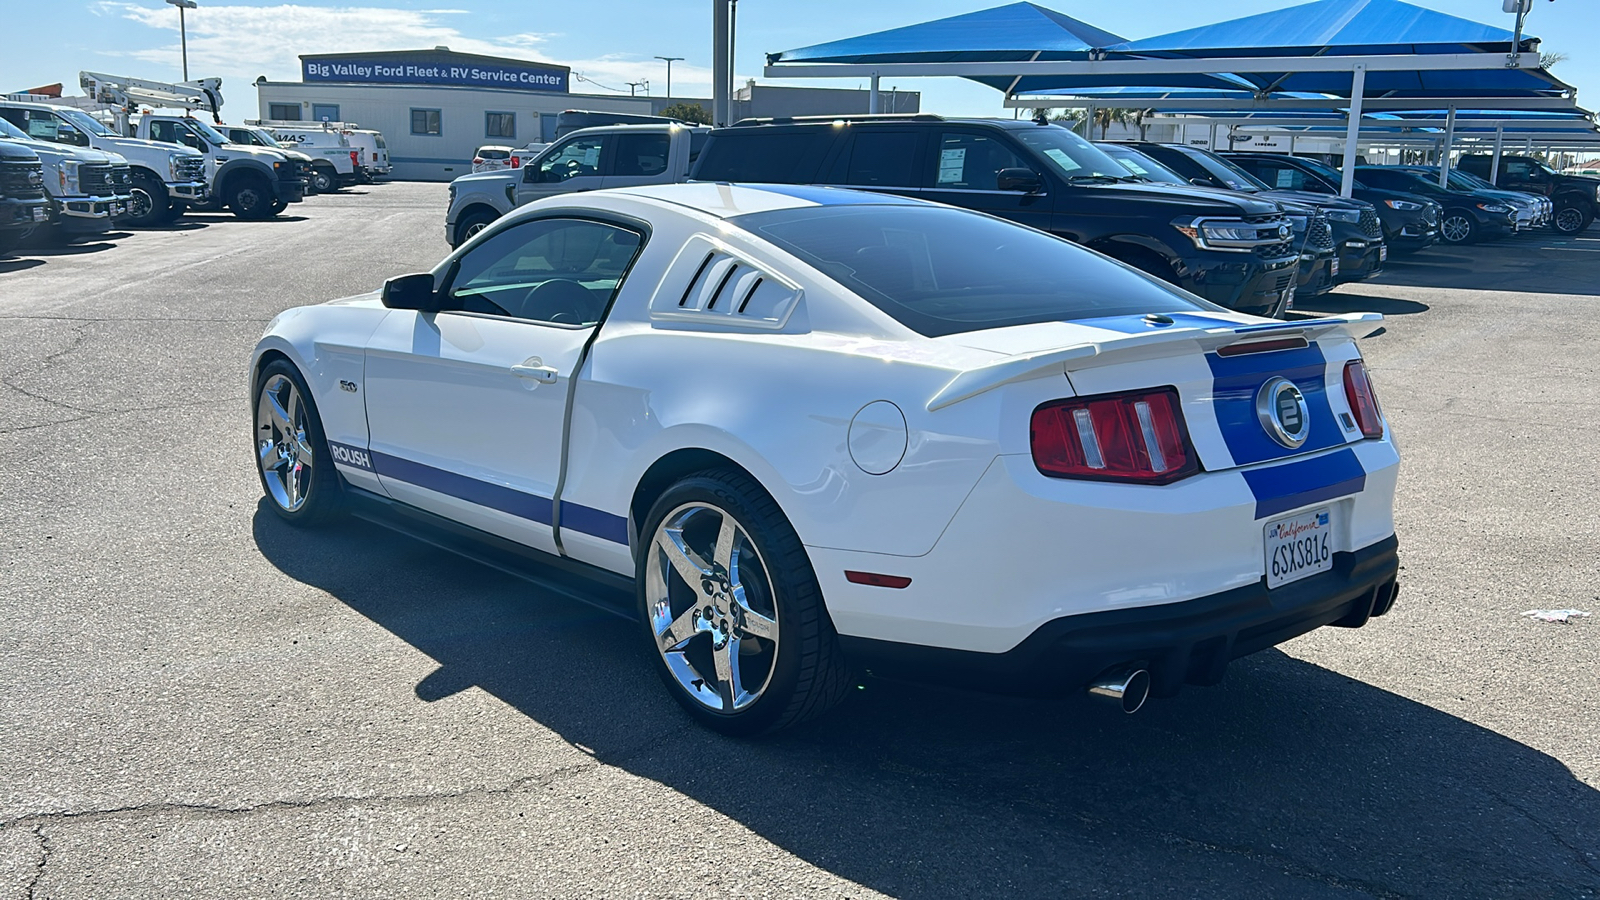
(940,271)
(773,157)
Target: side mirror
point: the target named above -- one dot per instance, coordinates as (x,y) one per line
(411,292)
(1019,179)
(1200,182)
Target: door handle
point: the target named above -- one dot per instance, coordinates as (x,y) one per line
(541,374)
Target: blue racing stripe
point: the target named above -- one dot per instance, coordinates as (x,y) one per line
(523,505)
(1282,488)
(1237,379)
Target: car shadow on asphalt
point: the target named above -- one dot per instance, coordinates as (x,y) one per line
(1341,302)
(17,264)
(1535,263)
(93,246)
(924,792)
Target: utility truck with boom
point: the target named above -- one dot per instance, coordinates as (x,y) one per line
(252,182)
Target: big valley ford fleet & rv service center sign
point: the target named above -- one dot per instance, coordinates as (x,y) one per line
(440,69)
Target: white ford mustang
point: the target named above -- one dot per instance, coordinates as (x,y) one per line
(818,429)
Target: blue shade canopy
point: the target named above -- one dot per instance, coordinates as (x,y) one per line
(1001,34)
(1355,28)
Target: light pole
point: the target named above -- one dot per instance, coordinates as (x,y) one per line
(183,31)
(633,87)
(670,60)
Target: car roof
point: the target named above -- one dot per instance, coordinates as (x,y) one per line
(724,200)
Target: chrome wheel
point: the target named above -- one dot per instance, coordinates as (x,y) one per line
(472,230)
(283,446)
(712,607)
(140,205)
(1569,220)
(1455,229)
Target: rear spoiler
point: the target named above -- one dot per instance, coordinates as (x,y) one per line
(1152,344)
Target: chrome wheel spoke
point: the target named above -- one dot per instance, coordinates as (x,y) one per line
(753,623)
(723,556)
(679,631)
(271,456)
(291,483)
(302,449)
(280,415)
(688,564)
(726,659)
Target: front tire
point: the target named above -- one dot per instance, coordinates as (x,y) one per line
(471,224)
(291,449)
(732,608)
(1458,226)
(148,201)
(251,198)
(1572,219)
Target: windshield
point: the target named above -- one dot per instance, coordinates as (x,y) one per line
(1227,173)
(940,270)
(1074,158)
(1329,173)
(207,132)
(1141,165)
(264,138)
(85,122)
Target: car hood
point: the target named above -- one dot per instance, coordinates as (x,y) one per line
(370,300)
(58,152)
(16,151)
(491,178)
(1378,195)
(1227,203)
(1311,198)
(138,145)
(266,154)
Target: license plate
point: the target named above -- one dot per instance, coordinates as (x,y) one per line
(1299,546)
(1333,266)
(1288,296)
(1383,254)
(40,214)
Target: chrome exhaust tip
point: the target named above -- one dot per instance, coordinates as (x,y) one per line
(1128,688)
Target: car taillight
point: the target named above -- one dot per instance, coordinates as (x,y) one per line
(355,159)
(1363,401)
(477,160)
(1137,436)
(516,162)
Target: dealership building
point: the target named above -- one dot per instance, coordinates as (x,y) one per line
(437,107)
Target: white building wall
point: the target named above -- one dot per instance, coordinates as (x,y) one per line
(462,117)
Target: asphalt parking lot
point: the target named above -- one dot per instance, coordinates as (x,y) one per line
(202,702)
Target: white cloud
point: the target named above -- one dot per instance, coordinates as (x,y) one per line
(239,43)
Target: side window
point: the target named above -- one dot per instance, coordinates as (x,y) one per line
(1517,168)
(878,158)
(972,162)
(42,125)
(1285,178)
(284,112)
(188,138)
(552,271)
(425,121)
(580,156)
(165,132)
(641,154)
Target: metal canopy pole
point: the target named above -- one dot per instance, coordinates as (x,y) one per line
(1449,141)
(1358,86)
(1499,145)
(721,63)
(873,104)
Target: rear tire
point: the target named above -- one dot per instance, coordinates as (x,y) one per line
(733,613)
(324,179)
(291,450)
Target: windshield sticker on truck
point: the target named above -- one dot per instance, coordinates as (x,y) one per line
(1067,163)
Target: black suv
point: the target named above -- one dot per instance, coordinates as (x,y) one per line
(1468,215)
(1234,251)
(1313,234)
(1577,198)
(1357,231)
(1410,222)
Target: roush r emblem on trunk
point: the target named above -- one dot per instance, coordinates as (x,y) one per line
(1282,410)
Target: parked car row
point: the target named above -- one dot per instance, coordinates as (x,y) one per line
(64,173)
(1248,231)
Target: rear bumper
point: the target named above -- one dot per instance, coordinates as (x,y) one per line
(1190,642)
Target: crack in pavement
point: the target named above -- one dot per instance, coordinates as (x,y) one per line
(1584,859)
(44,859)
(203,810)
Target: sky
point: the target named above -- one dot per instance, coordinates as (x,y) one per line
(608,43)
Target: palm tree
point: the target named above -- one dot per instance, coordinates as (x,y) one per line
(1105,115)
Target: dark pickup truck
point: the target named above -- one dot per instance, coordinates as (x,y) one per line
(1234,251)
(1576,198)
(23,205)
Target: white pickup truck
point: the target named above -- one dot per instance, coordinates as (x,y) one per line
(87,189)
(585,160)
(252,182)
(336,159)
(165,177)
